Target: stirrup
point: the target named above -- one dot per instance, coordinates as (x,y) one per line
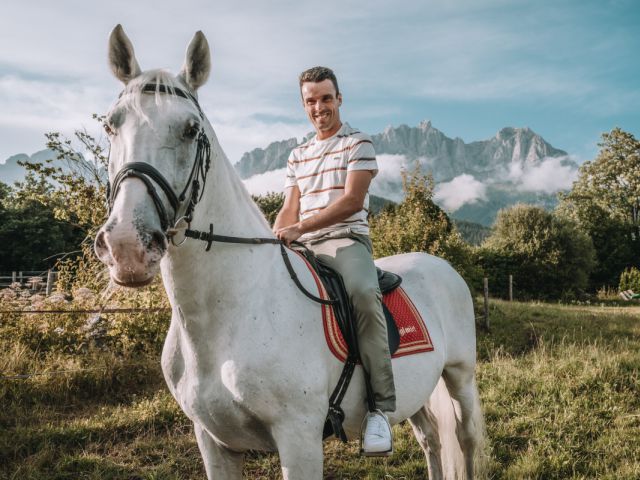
(363,427)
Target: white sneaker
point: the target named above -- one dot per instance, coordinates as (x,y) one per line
(375,438)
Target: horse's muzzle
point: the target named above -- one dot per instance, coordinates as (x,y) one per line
(133,257)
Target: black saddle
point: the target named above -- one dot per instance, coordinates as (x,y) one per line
(332,281)
(388,283)
(343,311)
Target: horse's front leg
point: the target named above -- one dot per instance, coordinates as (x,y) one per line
(219,462)
(300,449)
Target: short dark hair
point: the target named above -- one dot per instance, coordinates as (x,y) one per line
(319,74)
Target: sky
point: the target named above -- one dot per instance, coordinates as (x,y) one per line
(566,69)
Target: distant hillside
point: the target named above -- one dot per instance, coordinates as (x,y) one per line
(378,203)
(472,233)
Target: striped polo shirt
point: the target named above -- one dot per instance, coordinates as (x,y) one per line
(319,168)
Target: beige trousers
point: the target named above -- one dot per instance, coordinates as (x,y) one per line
(352,258)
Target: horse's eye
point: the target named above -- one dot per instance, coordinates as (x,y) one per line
(109,130)
(191,131)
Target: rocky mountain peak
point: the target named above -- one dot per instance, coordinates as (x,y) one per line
(261,160)
(424,125)
(445,157)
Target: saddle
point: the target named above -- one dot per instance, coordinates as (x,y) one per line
(343,311)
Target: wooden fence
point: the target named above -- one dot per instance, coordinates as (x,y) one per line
(42,281)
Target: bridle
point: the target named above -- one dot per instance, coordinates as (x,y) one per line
(196,180)
(149,174)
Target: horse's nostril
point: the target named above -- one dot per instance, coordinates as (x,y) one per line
(158,241)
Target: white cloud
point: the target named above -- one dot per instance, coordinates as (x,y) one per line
(549,176)
(388,180)
(461,190)
(237,137)
(272,181)
(35,106)
(471,51)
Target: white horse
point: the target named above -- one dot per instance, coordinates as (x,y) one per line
(245,355)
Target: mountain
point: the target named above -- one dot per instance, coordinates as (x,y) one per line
(474,180)
(261,160)
(11,172)
(446,157)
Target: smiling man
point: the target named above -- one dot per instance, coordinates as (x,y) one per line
(326,202)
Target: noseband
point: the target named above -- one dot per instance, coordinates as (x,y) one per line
(148,174)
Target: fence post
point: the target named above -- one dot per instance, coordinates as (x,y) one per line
(486,303)
(50,280)
(14,277)
(20,279)
(510,288)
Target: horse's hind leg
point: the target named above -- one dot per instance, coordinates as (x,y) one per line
(425,428)
(460,381)
(219,462)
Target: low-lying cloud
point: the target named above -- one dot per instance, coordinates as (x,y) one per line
(548,176)
(388,181)
(272,181)
(462,190)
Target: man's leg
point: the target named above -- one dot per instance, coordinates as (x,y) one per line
(354,261)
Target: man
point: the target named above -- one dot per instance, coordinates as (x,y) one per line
(325,207)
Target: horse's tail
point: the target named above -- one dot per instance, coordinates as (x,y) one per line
(447,413)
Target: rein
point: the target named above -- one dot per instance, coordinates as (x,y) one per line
(196,180)
(210,237)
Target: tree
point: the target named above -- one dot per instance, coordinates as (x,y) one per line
(417,224)
(605,202)
(31,238)
(270,204)
(75,197)
(548,255)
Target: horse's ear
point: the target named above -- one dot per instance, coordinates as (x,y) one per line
(121,57)
(197,63)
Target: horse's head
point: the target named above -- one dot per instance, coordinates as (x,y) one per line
(158,158)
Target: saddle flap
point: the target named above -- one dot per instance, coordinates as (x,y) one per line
(388,281)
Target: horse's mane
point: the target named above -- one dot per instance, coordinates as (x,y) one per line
(130,98)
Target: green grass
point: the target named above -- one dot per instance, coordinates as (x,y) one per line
(560,387)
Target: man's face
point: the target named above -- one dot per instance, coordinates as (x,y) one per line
(322,106)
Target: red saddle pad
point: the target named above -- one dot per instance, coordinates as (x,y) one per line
(414,336)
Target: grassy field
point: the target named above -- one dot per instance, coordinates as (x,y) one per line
(560,387)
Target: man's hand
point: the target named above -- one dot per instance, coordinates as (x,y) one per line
(289,234)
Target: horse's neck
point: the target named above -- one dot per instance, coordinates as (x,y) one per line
(226,202)
(230,273)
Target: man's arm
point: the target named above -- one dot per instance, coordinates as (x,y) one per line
(355,190)
(290,212)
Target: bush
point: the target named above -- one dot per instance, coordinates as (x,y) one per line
(141,331)
(548,256)
(270,205)
(630,280)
